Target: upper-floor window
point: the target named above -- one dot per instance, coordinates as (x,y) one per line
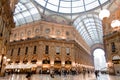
(29,33)
(21,34)
(47,31)
(15,35)
(35,47)
(26,50)
(68,51)
(58,32)
(57,50)
(67,33)
(37,30)
(18,51)
(46,49)
(1,34)
(113,47)
(12,52)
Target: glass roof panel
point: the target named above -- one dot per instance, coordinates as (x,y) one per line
(90,28)
(25,12)
(51,7)
(54,2)
(92,5)
(21,7)
(78,3)
(65,4)
(65,10)
(29,5)
(33,11)
(69,6)
(29,19)
(24,1)
(78,9)
(19,16)
(16,20)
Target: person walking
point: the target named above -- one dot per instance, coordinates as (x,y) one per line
(96,73)
(28,76)
(52,73)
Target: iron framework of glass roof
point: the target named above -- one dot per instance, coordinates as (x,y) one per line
(25,12)
(90,28)
(70,6)
(88,25)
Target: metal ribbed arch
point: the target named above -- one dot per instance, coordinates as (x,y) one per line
(22,11)
(90,28)
(93,23)
(36,7)
(70,6)
(96,19)
(25,12)
(29,11)
(16,20)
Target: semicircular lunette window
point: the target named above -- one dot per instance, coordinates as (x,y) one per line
(70,6)
(90,28)
(25,12)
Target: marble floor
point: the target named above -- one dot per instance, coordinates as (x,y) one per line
(57,77)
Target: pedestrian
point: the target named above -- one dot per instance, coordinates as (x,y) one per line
(52,74)
(28,76)
(88,73)
(96,73)
(84,72)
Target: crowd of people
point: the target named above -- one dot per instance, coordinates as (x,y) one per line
(65,73)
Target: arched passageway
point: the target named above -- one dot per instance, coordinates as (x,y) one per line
(99,59)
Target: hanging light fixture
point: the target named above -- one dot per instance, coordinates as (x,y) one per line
(104,12)
(115,23)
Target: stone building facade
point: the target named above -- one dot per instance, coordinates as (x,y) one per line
(112,42)
(6,23)
(42,46)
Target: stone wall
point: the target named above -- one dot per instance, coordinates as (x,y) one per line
(6,23)
(112,42)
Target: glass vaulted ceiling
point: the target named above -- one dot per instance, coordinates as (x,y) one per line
(70,6)
(90,28)
(25,12)
(88,25)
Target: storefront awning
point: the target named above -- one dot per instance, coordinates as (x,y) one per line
(18,66)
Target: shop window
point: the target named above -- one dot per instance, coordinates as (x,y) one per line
(68,62)
(57,62)
(25,61)
(17,61)
(46,61)
(116,61)
(33,61)
(10,62)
